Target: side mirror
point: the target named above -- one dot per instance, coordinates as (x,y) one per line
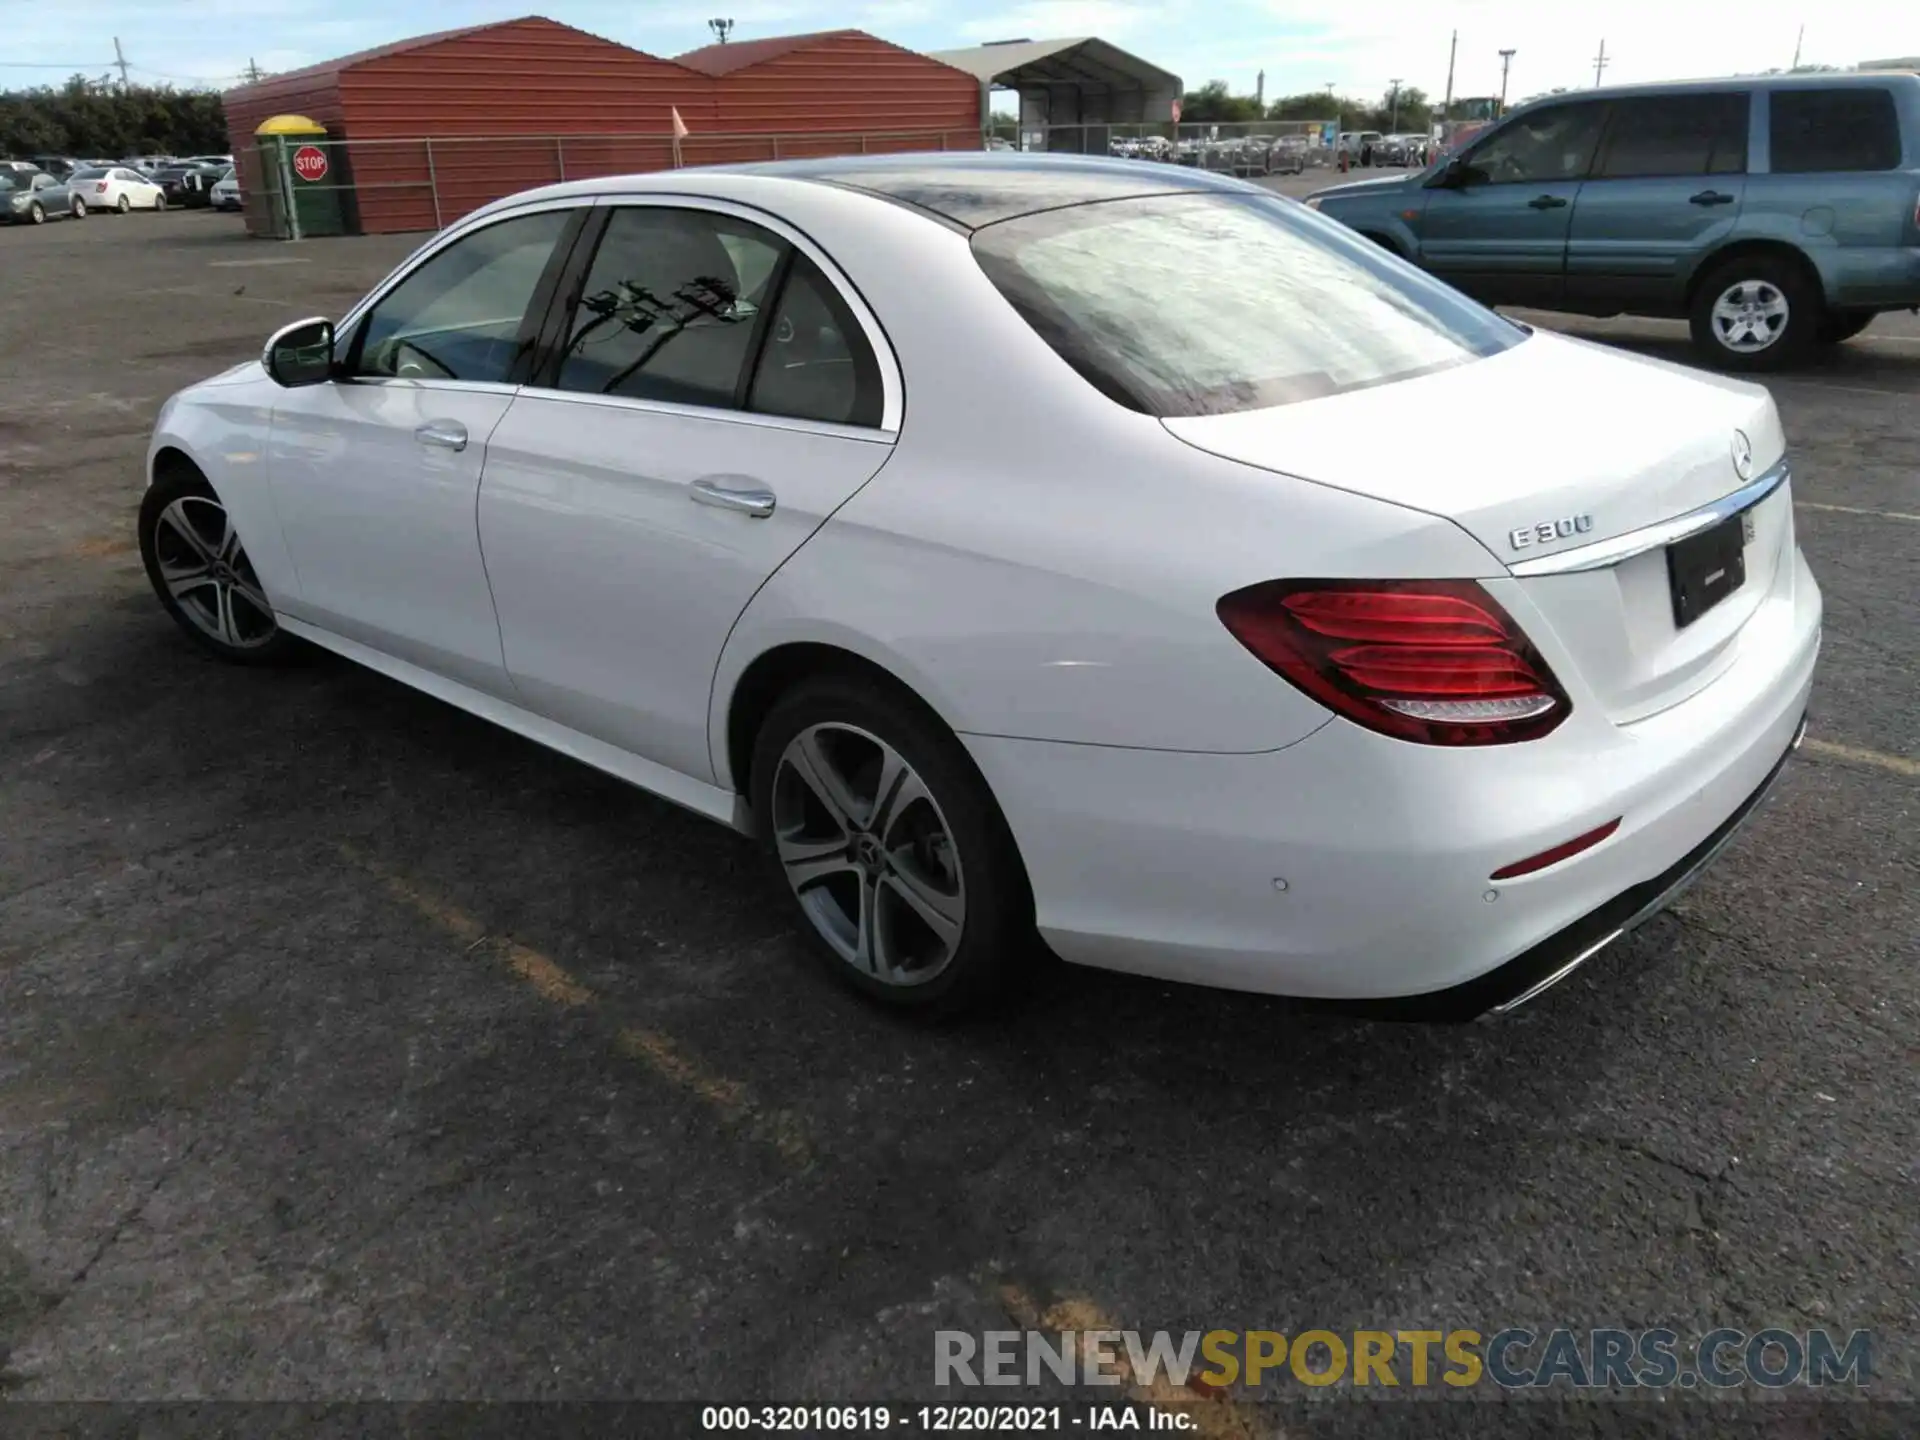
(300,353)
(1454,175)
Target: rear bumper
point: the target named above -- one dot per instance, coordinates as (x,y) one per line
(1873,277)
(1505,989)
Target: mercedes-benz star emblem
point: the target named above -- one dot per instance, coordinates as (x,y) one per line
(1742,455)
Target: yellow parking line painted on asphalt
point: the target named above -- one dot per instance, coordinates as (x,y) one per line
(103,546)
(1859,755)
(1213,1414)
(729,1099)
(1855,510)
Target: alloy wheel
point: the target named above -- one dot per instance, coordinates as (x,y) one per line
(37,215)
(1750,316)
(79,210)
(124,205)
(208,574)
(868,854)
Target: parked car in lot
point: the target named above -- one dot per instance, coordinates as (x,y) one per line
(1301,717)
(1775,214)
(35,199)
(225,194)
(188,186)
(117,188)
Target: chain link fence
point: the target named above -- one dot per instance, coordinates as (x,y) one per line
(1257,147)
(302,188)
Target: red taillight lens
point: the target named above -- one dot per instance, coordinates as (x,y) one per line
(1433,661)
(100,187)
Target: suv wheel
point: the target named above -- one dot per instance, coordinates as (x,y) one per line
(1757,313)
(1843,325)
(907,879)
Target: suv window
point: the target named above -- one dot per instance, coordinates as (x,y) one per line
(815,363)
(1554,143)
(671,308)
(1676,135)
(1837,129)
(1128,292)
(458,316)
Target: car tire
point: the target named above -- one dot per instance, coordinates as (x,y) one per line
(199,568)
(36,214)
(79,209)
(159,203)
(871,873)
(123,205)
(1755,313)
(1839,326)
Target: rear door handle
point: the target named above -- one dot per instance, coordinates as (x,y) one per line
(1547,202)
(753,500)
(1711,197)
(442,434)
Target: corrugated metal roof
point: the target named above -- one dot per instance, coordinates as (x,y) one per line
(738,54)
(302,77)
(1077,60)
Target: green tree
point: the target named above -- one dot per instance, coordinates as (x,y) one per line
(90,117)
(1212,103)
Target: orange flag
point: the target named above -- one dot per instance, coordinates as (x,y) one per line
(679,125)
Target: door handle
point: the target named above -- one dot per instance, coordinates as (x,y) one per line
(1547,202)
(442,434)
(1711,197)
(755,501)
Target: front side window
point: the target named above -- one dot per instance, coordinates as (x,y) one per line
(1203,304)
(1834,129)
(1676,135)
(672,307)
(458,316)
(1546,145)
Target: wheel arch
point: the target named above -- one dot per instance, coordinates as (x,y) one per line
(1753,249)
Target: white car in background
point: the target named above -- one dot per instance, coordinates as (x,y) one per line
(116,187)
(225,194)
(1185,661)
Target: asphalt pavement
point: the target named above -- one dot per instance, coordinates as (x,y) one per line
(353,1048)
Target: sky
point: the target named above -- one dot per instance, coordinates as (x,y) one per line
(1358,48)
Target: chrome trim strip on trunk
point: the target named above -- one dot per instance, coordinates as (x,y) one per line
(1603,553)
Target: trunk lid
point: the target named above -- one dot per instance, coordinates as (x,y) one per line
(1566,443)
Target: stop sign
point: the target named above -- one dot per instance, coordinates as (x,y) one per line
(310,162)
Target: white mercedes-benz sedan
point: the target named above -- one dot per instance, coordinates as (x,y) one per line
(1023,545)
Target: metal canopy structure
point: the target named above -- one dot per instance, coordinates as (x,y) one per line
(1077,82)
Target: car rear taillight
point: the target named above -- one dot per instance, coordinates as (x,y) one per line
(99,187)
(1438,662)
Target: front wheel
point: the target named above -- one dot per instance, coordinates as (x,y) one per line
(1757,313)
(159,202)
(123,205)
(200,571)
(36,214)
(882,830)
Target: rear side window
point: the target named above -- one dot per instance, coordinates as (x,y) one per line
(815,363)
(1836,129)
(1676,135)
(1182,305)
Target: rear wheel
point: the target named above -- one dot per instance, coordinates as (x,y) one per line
(79,208)
(906,876)
(1755,312)
(1843,325)
(200,571)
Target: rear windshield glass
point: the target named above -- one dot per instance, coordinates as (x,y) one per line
(1205,304)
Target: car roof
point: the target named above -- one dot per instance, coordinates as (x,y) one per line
(1846,80)
(964,190)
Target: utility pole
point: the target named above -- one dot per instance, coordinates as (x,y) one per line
(1796,46)
(253,73)
(120,59)
(1506,59)
(1260,91)
(1393,124)
(721,29)
(1599,62)
(1446,106)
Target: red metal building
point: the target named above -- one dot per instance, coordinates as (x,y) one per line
(834,92)
(428,129)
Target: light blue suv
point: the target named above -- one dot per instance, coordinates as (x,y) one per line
(1775,213)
